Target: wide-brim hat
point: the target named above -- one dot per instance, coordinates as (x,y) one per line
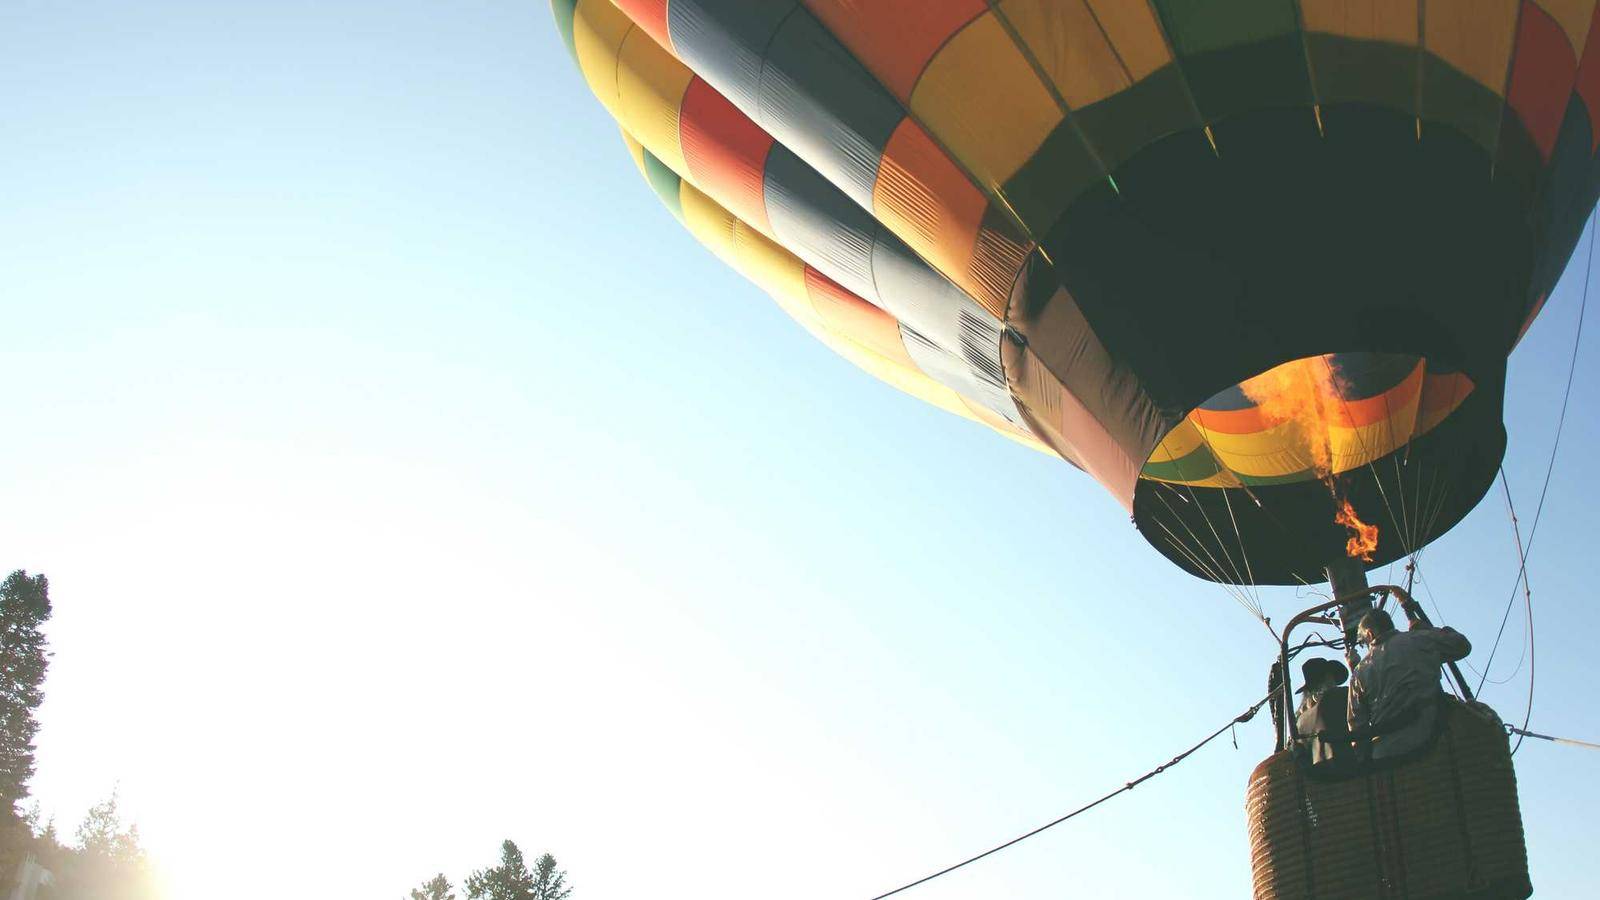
(1317,670)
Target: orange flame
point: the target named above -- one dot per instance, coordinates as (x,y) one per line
(1363,540)
(1301,393)
(1304,393)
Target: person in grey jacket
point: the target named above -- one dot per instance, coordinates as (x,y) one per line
(1395,691)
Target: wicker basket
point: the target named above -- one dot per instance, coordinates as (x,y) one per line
(1442,824)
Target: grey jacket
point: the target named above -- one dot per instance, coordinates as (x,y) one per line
(1395,689)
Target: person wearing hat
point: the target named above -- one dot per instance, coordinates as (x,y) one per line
(1395,691)
(1321,718)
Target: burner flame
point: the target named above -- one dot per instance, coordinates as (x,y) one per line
(1363,541)
(1303,394)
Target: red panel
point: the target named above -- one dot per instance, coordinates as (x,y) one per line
(846,314)
(1442,392)
(895,39)
(726,152)
(1588,86)
(1537,304)
(1541,76)
(650,15)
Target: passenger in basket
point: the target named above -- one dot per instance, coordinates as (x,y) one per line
(1321,718)
(1395,691)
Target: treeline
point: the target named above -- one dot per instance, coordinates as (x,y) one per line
(104,861)
(510,880)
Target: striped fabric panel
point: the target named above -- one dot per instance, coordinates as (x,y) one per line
(788,70)
(726,155)
(1385,401)
(853,328)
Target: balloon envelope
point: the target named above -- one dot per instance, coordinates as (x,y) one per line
(1094,226)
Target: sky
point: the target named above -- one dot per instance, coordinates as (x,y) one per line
(407,480)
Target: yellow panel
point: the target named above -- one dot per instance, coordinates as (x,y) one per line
(1262,454)
(1069,47)
(750,253)
(1475,36)
(598,29)
(1135,35)
(1223,479)
(908,380)
(1394,21)
(651,85)
(1573,16)
(635,150)
(1281,450)
(768,264)
(1180,441)
(710,224)
(1355,447)
(980,97)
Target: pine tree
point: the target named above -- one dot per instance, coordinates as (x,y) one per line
(510,880)
(435,888)
(549,883)
(24,607)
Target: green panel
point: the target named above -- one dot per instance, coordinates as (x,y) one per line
(1122,124)
(1197,465)
(1270,73)
(1451,97)
(564,11)
(1265,480)
(1355,70)
(1058,172)
(665,183)
(1196,26)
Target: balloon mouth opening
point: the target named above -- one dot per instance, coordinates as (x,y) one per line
(1313,418)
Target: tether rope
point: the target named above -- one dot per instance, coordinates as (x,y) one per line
(1242,717)
(1570,742)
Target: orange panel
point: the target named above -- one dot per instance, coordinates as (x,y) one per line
(997,257)
(927,201)
(650,15)
(895,39)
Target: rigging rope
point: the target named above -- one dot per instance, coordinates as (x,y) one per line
(1242,717)
(1570,742)
(1561,421)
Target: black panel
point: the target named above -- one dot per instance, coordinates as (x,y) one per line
(1210,267)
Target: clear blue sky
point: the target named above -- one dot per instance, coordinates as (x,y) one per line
(407,479)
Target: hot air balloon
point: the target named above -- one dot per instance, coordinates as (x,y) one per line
(1254,266)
